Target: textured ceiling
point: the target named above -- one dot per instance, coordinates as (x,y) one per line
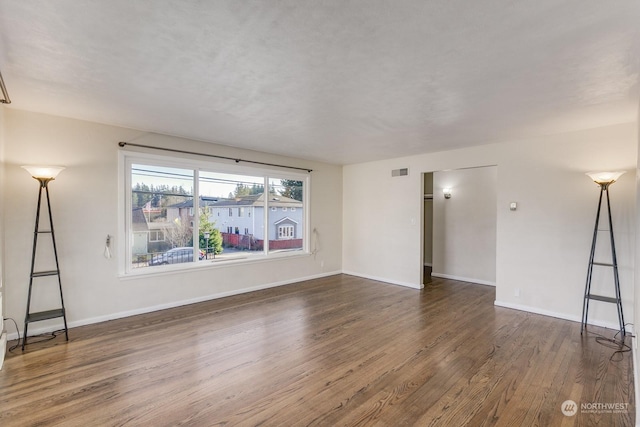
(337,81)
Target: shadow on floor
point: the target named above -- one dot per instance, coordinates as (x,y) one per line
(426,277)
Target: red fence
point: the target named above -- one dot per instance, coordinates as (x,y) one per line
(243,241)
(285,244)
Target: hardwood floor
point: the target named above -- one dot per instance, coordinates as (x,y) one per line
(329,352)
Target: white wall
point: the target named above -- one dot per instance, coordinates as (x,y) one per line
(3,335)
(85,202)
(464,226)
(542,248)
(637,274)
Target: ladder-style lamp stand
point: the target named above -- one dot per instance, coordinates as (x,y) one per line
(44,175)
(604,180)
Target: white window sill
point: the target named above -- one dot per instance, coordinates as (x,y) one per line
(210,264)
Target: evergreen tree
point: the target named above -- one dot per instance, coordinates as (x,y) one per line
(291,189)
(215,237)
(141,194)
(159,196)
(242,190)
(246,190)
(257,189)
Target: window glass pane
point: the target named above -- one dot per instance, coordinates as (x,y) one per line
(161,231)
(225,200)
(286,216)
(235,218)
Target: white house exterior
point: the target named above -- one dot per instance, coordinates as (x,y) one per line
(244,215)
(140,231)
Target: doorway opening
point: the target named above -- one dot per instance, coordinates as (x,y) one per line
(459,225)
(427,226)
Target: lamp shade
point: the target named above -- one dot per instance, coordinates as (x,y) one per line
(46,172)
(605,177)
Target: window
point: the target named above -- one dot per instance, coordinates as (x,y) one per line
(285,232)
(172,213)
(156,236)
(156,196)
(285,226)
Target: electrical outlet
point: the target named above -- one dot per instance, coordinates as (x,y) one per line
(516,293)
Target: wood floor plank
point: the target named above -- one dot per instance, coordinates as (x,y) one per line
(334,351)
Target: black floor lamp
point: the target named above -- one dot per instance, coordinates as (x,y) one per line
(44,175)
(604,180)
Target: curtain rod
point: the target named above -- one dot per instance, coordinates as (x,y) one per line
(173,150)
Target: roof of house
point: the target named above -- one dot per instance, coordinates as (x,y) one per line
(286,219)
(275,200)
(204,201)
(138,220)
(258,200)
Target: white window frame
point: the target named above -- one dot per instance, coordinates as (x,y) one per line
(125,239)
(156,234)
(289,234)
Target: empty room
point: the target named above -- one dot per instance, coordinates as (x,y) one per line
(319,213)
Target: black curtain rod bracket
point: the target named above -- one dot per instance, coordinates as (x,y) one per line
(173,150)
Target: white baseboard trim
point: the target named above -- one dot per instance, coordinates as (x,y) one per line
(382,279)
(122,314)
(463,279)
(562,316)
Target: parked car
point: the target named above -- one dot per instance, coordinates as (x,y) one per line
(175,256)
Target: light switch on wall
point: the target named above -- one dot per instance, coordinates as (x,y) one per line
(513,206)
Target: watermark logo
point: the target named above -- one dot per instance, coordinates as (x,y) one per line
(569,408)
(604,408)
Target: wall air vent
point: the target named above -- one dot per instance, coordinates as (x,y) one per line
(400,172)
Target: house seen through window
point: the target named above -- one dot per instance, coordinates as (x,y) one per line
(185,215)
